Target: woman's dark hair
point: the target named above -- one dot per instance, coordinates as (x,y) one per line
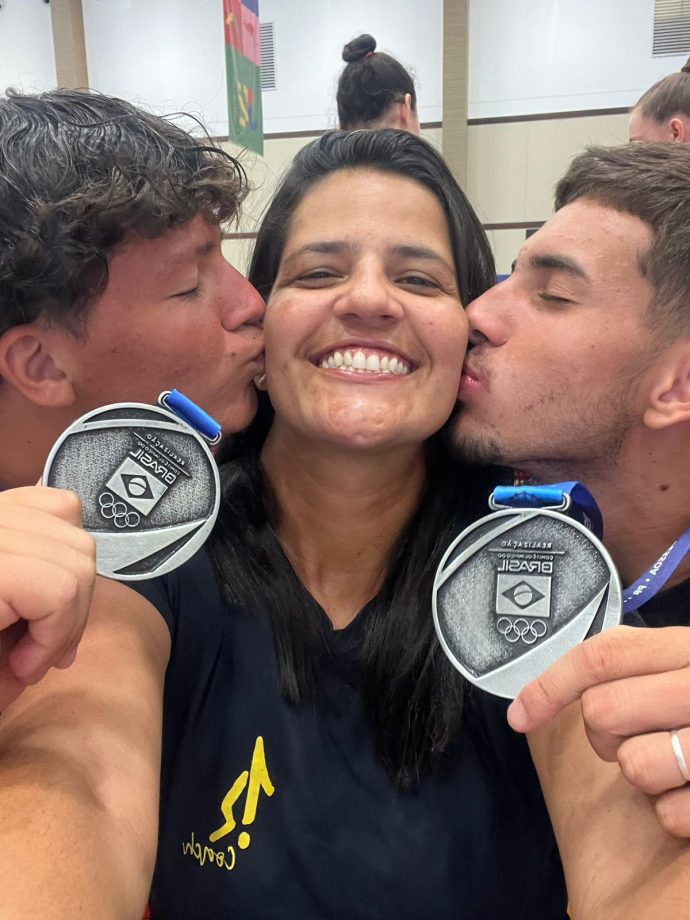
(369,85)
(411,692)
(388,151)
(668,97)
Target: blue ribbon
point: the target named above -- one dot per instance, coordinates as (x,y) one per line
(192,414)
(572,498)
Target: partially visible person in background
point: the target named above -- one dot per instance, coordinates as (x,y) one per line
(663,112)
(375,90)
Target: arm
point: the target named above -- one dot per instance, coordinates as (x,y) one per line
(79,772)
(47,572)
(620,864)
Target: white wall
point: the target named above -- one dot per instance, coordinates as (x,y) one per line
(310,35)
(526,56)
(27,58)
(166,54)
(170,54)
(532,56)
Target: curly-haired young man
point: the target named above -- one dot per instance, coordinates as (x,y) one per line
(113,286)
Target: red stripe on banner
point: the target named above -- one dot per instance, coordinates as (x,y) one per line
(242,30)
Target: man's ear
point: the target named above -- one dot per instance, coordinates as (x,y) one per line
(30,362)
(669,402)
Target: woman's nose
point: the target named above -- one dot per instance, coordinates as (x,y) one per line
(369,296)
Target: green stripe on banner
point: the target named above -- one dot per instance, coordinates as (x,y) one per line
(244,101)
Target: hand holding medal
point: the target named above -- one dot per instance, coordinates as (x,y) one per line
(521,586)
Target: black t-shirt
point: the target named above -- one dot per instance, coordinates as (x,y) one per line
(276,810)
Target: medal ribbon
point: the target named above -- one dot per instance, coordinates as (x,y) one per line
(193,415)
(571,498)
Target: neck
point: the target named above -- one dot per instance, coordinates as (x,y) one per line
(27,433)
(341,513)
(644,497)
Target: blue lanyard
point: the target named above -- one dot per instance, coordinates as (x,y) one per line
(655,578)
(573,499)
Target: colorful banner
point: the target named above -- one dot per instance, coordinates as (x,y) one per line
(243,64)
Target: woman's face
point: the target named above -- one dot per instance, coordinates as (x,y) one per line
(365,331)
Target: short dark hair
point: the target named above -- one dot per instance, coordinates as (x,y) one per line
(650,181)
(81,172)
(387,150)
(370,83)
(668,97)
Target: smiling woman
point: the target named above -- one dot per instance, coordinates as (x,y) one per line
(341,736)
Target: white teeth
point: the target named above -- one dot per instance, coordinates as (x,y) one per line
(360,363)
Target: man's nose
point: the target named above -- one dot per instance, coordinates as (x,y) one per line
(243,305)
(487,318)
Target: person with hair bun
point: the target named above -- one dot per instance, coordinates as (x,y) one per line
(663,112)
(375,90)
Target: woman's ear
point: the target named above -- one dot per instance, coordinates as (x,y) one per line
(29,362)
(408,116)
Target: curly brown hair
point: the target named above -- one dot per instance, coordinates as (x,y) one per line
(81,172)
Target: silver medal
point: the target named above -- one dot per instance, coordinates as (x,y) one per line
(516,590)
(148,483)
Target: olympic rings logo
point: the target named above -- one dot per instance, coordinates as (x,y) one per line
(521,629)
(117,512)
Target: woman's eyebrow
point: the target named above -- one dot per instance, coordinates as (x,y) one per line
(321,247)
(421,252)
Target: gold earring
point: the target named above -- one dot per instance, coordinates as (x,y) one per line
(260,381)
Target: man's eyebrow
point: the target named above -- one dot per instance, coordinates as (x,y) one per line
(560,264)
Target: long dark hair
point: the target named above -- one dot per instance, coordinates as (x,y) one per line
(410,691)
